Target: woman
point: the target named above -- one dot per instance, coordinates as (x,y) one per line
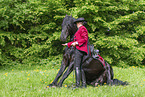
(80,43)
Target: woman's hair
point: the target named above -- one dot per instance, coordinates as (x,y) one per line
(84,23)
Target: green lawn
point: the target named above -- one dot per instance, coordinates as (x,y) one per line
(20,81)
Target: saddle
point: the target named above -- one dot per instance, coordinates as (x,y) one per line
(93,54)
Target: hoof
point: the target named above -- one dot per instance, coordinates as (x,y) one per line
(76,87)
(50,87)
(84,86)
(96,84)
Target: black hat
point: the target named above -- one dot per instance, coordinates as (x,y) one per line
(79,20)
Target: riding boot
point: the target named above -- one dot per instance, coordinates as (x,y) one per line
(83,79)
(78,77)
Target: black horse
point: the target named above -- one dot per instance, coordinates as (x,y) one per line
(95,72)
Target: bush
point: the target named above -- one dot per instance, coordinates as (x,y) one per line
(30,29)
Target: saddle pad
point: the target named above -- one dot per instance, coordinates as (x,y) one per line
(101,60)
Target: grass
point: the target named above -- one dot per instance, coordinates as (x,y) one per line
(30,81)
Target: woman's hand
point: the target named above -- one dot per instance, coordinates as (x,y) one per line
(64,44)
(74,44)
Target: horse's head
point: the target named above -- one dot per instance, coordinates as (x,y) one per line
(68,27)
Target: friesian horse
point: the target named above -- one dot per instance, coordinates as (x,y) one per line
(95,71)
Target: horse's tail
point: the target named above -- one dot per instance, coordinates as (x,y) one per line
(119,82)
(112,80)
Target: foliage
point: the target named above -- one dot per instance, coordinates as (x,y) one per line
(30,29)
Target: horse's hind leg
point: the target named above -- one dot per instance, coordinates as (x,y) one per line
(66,74)
(54,83)
(97,81)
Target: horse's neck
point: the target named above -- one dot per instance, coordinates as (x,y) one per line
(72,30)
(71,37)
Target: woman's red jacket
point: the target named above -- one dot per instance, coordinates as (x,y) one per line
(81,36)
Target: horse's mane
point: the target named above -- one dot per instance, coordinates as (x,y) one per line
(68,26)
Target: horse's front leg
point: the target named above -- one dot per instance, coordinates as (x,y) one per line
(66,74)
(62,68)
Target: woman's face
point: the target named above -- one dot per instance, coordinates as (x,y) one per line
(79,24)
